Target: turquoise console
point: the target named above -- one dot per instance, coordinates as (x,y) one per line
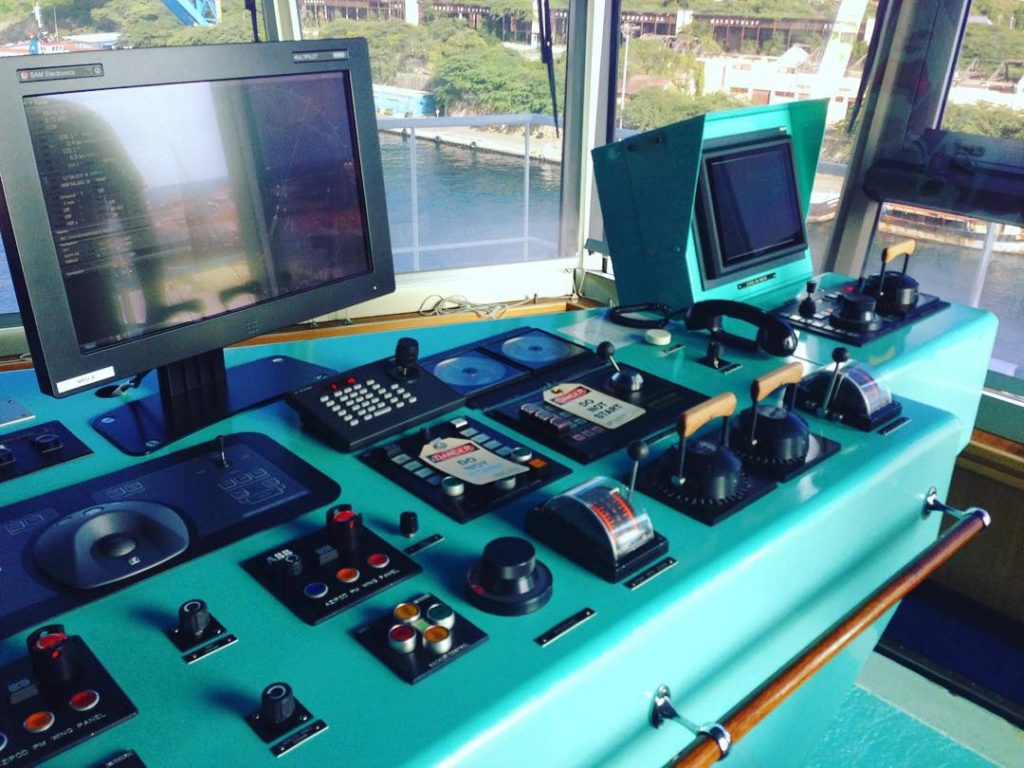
(734,602)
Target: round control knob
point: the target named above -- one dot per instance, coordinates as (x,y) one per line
(115,545)
(855,312)
(193,617)
(840,355)
(277,703)
(409,524)
(47,443)
(508,580)
(606,350)
(452,486)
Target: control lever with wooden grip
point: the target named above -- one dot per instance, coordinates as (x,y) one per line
(761,387)
(692,419)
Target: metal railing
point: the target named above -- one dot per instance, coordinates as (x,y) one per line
(452,131)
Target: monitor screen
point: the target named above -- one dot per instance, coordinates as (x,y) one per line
(747,212)
(159,204)
(171,204)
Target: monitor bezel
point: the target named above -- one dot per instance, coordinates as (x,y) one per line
(61,366)
(714,270)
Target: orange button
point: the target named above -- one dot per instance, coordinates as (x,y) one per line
(38,722)
(347,575)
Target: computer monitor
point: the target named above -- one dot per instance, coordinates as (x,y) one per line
(712,207)
(158,205)
(747,211)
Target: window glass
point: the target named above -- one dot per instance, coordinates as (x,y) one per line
(965,260)
(721,54)
(987,94)
(471,153)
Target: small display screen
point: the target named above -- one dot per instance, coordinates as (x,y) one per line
(755,204)
(170,204)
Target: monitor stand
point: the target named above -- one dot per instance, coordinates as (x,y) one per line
(200,391)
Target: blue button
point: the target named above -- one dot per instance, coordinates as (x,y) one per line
(315,590)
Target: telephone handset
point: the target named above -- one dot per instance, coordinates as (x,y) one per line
(774,335)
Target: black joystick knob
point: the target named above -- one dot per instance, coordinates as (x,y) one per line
(626,382)
(840,355)
(508,580)
(407,353)
(638,451)
(409,524)
(344,528)
(193,618)
(277,703)
(55,658)
(808,306)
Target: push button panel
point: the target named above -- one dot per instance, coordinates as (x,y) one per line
(57,696)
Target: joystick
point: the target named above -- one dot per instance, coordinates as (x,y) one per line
(407,353)
(638,451)
(508,579)
(808,305)
(624,382)
(840,355)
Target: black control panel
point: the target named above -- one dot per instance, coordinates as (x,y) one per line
(38,447)
(71,546)
(328,571)
(57,696)
(374,401)
(419,637)
(464,468)
(854,316)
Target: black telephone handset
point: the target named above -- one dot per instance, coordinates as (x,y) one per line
(774,335)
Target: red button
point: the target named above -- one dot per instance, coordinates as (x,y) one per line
(38,722)
(83,701)
(378,560)
(51,640)
(344,514)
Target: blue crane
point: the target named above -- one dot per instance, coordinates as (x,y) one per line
(195,12)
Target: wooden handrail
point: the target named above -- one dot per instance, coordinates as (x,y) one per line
(704,750)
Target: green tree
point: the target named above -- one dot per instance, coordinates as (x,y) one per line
(491,80)
(985,120)
(654,107)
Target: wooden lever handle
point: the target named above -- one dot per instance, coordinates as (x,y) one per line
(791,373)
(696,417)
(899,249)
